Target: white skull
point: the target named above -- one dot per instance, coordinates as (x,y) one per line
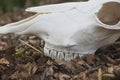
(69,29)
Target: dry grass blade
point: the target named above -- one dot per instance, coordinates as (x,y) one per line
(109,75)
(99,74)
(40,51)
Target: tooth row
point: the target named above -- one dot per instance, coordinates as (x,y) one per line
(54,54)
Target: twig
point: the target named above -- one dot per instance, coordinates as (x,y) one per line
(40,51)
(90,70)
(117,42)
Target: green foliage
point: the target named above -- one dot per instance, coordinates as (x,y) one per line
(6,5)
(10,5)
(19,3)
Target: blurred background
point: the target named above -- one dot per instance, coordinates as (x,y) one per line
(14,10)
(11,5)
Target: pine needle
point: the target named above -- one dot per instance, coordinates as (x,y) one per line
(40,51)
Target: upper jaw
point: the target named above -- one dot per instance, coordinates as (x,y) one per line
(66,55)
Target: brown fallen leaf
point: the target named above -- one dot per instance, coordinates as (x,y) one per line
(4,61)
(81,76)
(90,59)
(110,60)
(24,71)
(61,76)
(117,73)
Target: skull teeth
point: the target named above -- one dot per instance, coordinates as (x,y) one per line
(54,54)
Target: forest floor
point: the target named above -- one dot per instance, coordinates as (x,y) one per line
(20,61)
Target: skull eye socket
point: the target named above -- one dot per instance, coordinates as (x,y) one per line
(109,13)
(107,20)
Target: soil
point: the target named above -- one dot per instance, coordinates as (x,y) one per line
(19,61)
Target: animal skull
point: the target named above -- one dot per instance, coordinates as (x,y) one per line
(71,29)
